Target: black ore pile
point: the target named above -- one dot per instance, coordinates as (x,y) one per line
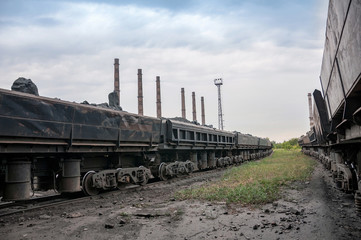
(25,85)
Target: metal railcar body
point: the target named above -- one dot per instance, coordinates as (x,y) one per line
(336,136)
(252,147)
(54,144)
(200,147)
(59,141)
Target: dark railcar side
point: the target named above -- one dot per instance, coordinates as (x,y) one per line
(192,136)
(29,119)
(341,64)
(48,142)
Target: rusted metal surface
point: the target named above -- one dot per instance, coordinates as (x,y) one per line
(140,92)
(159,104)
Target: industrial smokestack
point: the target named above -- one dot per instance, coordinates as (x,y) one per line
(203,114)
(194,106)
(140,92)
(116,78)
(159,106)
(183,104)
(114,97)
(310,109)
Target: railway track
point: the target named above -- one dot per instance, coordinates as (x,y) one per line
(20,207)
(10,208)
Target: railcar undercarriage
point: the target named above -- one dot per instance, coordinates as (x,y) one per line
(344,163)
(93,173)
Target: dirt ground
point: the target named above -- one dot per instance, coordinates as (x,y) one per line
(307,210)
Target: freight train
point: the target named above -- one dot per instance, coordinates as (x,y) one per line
(335,135)
(49,143)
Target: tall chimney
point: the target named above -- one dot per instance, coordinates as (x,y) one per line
(183,104)
(203,114)
(116,78)
(140,92)
(159,106)
(194,106)
(310,109)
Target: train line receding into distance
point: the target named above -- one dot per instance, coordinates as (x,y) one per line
(48,143)
(335,118)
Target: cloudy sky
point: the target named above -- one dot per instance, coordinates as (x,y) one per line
(267,52)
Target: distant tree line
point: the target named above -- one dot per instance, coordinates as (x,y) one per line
(290,144)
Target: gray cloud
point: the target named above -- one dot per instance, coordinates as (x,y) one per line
(267,69)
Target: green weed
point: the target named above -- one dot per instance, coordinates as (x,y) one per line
(255,182)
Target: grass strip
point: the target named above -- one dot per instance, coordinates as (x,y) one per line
(256,182)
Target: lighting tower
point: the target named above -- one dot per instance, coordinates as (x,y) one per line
(218,82)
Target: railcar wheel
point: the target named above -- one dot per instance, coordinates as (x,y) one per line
(121,185)
(189,166)
(162,171)
(145,177)
(145,181)
(87,184)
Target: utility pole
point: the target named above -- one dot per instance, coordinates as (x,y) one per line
(218,82)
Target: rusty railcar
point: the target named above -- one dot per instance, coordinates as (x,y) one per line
(335,137)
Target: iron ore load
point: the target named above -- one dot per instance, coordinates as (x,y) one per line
(335,135)
(49,143)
